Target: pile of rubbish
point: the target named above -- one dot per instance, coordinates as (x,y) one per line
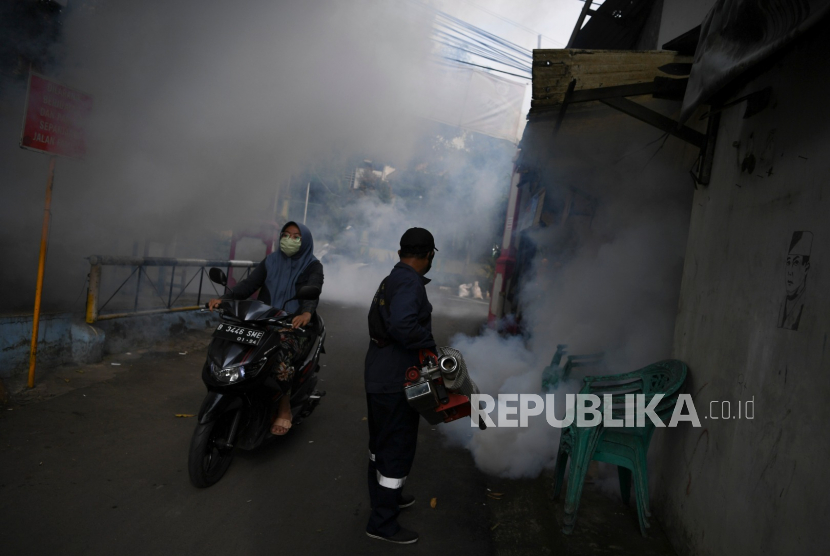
(470,290)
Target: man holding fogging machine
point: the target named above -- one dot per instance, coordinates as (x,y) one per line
(400,325)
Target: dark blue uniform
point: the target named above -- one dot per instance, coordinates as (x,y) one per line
(393,424)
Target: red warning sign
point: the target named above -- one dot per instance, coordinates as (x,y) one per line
(55,118)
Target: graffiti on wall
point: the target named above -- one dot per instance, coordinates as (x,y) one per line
(797,268)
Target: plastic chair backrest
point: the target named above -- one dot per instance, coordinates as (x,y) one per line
(664,377)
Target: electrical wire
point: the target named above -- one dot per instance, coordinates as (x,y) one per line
(460,35)
(654,154)
(486,34)
(314,171)
(487,68)
(83,289)
(662,137)
(514,23)
(478,45)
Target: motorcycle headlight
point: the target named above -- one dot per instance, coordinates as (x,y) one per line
(233,373)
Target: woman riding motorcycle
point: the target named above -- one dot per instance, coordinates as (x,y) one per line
(278,277)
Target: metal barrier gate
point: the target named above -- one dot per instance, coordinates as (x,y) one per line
(127,304)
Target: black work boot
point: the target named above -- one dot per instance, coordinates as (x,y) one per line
(403,536)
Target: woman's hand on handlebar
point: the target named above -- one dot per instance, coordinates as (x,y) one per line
(301,320)
(214,303)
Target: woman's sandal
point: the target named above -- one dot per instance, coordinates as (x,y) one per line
(280,422)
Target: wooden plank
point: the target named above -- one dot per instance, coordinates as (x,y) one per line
(587,95)
(574,69)
(554,69)
(610,79)
(562,53)
(657,120)
(600,62)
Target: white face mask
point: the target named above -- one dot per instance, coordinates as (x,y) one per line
(290,246)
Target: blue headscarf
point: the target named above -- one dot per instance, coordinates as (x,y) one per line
(282,271)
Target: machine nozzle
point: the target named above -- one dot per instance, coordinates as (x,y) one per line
(448,365)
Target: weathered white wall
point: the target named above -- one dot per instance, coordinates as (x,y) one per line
(681,15)
(608,278)
(738,486)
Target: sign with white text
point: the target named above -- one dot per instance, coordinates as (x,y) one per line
(55,118)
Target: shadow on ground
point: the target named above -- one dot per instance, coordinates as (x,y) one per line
(526,520)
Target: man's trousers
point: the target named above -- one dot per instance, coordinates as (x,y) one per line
(393,435)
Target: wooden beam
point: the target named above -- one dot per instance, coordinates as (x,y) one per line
(661,87)
(564,106)
(555,69)
(585,9)
(657,120)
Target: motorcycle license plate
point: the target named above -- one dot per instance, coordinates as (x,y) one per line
(238,334)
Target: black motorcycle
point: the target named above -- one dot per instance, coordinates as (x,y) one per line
(242,394)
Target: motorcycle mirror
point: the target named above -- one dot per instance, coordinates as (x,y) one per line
(218,276)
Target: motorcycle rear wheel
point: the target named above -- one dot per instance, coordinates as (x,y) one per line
(206,462)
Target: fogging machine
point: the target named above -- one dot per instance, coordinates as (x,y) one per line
(441,389)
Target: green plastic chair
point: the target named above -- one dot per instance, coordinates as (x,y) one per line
(625,447)
(556,373)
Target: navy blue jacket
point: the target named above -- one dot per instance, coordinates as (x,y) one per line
(408,323)
(311,276)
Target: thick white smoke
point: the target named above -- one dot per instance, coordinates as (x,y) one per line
(460,209)
(611,286)
(502,365)
(202,111)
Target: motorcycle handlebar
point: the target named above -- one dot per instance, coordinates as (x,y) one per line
(286,321)
(206,308)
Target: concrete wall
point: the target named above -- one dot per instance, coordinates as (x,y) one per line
(65,338)
(55,337)
(124,334)
(759,486)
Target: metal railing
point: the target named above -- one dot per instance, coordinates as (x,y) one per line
(126,300)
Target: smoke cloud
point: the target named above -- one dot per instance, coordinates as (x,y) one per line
(609,283)
(202,111)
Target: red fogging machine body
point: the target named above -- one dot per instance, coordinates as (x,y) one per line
(442,388)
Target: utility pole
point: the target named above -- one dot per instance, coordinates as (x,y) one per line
(286,199)
(307,190)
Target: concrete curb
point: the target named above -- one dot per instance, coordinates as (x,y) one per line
(66,338)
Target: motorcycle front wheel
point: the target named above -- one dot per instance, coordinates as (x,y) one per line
(207,462)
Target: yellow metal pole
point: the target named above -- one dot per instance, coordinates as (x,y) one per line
(92,293)
(44,238)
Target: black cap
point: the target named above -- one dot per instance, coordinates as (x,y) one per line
(417,241)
